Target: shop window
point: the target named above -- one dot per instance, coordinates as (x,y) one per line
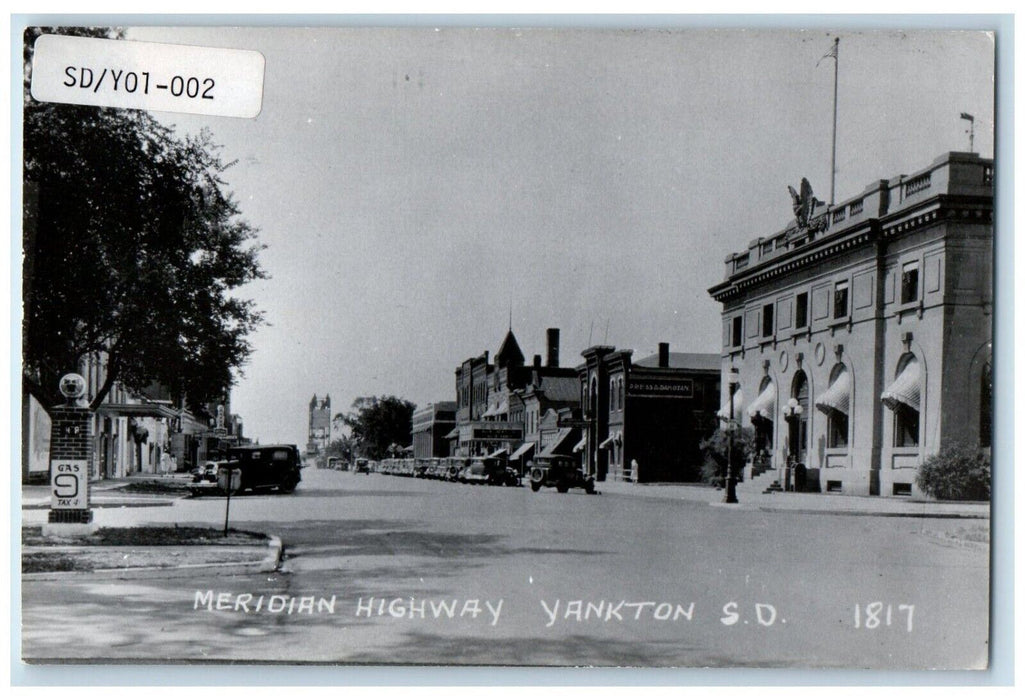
(737,337)
(801,310)
(909,283)
(901,489)
(767,320)
(840,299)
(905,426)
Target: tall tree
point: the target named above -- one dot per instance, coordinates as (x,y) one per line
(134,250)
(377,422)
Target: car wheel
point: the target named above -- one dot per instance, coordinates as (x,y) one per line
(535,485)
(589,486)
(562,487)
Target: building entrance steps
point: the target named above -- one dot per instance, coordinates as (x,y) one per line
(763,481)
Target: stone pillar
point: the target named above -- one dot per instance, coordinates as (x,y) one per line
(71,463)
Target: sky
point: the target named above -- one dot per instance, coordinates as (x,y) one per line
(418,188)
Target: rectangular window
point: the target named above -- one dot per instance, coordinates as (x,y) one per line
(736,337)
(767,320)
(838,429)
(840,300)
(909,283)
(905,427)
(801,310)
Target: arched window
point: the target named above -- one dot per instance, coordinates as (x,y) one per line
(903,397)
(621,382)
(612,394)
(799,416)
(835,402)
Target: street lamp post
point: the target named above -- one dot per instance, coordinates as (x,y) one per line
(731,477)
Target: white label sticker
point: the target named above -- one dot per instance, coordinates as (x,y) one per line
(144,75)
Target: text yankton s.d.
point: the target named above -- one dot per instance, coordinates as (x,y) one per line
(549,613)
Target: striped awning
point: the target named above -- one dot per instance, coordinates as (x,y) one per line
(523,450)
(838,396)
(765,405)
(738,401)
(906,389)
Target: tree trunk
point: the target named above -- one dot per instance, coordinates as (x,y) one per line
(108,382)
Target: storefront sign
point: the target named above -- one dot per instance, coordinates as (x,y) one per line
(496,434)
(663,388)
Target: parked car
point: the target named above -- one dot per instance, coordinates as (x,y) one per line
(268,467)
(499,473)
(207,471)
(362,466)
(561,471)
(476,473)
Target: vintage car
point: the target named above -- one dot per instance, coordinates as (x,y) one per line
(207,471)
(499,473)
(561,471)
(362,466)
(475,473)
(266,467)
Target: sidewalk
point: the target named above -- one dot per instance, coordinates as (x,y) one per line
(802,502)
(107,493)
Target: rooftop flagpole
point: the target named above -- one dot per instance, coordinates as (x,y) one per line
(833,53)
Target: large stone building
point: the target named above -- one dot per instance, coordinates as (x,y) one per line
(645,419)
(861,333)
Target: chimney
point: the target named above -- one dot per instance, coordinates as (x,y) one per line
(537,361)
(553,347)
(663,354)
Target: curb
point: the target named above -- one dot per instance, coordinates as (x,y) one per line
(269,563)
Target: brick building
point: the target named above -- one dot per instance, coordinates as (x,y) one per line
(862,332)
(645,419)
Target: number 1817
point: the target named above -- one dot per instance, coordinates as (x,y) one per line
(878,614)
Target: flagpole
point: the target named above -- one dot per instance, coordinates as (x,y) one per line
(832,164)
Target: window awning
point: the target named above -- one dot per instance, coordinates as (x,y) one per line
(498,409)
(454,433)
(579,447)
(906,389)
(142,410)
(616,437)
(499,453)
(523,450)
(838,396)
(765,405)
(558,445)
(738,401)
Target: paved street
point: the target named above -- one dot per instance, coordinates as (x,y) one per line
(383,569)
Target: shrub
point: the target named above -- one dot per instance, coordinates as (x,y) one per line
(715,447)
(958,473)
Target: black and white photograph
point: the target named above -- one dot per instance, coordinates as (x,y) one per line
(507,346)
